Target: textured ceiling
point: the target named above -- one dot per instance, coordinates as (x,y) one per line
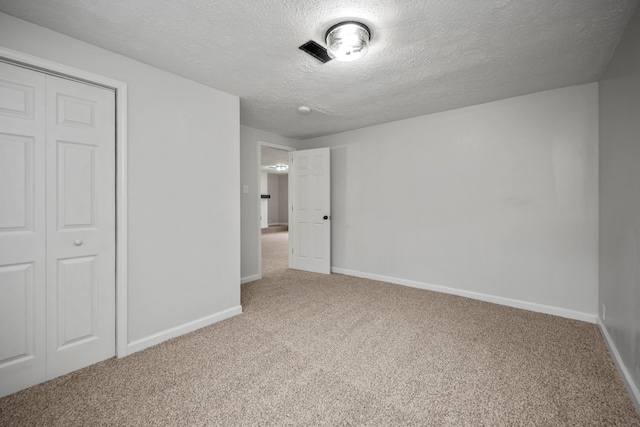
(425,56)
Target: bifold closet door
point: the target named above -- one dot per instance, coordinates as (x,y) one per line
(80,250)
(57,226)
(22,229)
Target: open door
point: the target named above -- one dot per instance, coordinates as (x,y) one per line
(310,210)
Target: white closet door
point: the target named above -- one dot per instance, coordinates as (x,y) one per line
(22,228)
(57,226)
(80,247)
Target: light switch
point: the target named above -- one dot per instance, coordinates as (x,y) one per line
(245,189)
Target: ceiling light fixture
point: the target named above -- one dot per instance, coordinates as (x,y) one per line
(280,167)
(348,41)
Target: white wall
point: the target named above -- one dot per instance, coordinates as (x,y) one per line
(274,201)
(250,201)
(499,199)
(184,252)
(283,199)
(620,202)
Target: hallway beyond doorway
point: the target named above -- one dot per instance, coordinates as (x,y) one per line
(275,229)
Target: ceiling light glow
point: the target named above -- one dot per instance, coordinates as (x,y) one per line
(280,167)
(348,41)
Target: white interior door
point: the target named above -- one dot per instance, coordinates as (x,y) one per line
(310,210)
(22,229)
(57,226)
(80,225)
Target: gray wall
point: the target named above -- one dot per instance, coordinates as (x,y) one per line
(250,202)
(274,204)
(620,199)
(183,266)
(498,200)
(279,201)
(283,199)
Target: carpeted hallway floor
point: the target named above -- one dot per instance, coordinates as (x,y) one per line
(336,350)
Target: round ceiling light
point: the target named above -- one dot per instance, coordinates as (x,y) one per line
(280,167)
(348,41)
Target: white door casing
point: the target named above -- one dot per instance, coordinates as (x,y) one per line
(57,226)
(258,242)
(121,89)
(310,210)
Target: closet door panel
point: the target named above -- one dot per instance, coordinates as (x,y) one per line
(22,228)
(80,225)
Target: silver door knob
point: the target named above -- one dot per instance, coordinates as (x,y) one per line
(77,242)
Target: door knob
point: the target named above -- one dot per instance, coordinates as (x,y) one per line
(77,242)
(325,217)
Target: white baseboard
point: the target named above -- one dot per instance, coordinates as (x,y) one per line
(250,279)
(539,308)
(154,339)
(622,369)
(277,223)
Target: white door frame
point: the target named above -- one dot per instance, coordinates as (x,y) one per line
(49,67)
(257,185)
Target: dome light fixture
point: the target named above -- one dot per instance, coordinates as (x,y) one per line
(348,41)
(280,167)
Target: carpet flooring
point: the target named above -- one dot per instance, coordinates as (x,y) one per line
(337,350)
(275,229)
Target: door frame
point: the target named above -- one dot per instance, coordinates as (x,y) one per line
(46,66)
(261,144)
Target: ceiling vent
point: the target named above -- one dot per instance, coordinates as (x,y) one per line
(317,51)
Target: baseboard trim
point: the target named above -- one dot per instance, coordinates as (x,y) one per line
(539,308)
(159,337)
(634,393)
(250,279)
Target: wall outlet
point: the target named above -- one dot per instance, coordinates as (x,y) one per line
(604,312)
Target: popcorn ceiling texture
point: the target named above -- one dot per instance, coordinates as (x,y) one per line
(425,56)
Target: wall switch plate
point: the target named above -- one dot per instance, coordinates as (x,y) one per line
(245,189)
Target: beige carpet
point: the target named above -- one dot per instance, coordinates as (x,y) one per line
(275,229)
(337,350)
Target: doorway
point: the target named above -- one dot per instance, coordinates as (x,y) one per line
(273,174)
